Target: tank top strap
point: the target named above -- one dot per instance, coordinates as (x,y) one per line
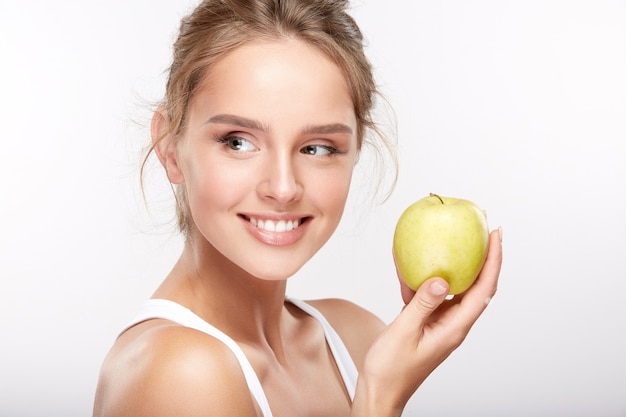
(170,310)
(344,361)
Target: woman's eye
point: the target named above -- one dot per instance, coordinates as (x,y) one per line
(238,144)
(319,150)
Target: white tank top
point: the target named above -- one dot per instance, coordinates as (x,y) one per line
(166,309)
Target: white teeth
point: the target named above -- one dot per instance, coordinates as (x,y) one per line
(279,226)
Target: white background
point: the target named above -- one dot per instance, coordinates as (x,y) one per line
(519,106)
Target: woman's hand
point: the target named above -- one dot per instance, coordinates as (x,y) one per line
(423,335)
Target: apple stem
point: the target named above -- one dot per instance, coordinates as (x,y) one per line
(435,195)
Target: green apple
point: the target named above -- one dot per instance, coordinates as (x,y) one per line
(441,237)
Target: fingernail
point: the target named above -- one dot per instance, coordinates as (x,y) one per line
(437,289)
(500,233)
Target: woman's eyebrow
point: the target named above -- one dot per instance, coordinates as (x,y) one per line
(247,123)
(240,121)
(327,129)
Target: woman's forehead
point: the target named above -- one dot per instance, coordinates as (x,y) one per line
(282,77)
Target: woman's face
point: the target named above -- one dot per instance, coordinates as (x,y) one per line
(267,156)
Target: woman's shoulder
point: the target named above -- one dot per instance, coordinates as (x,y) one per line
(357,326)
(159,368)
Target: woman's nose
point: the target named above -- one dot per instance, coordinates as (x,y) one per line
(280,180)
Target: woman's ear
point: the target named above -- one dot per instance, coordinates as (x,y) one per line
(165,146)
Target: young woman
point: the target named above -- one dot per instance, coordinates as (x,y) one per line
(267,105)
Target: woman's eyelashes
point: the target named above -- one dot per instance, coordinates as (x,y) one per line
(237,143)
(319,150)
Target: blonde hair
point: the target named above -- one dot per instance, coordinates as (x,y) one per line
(216,27)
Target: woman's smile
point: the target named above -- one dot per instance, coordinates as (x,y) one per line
(276,230)
(278,226)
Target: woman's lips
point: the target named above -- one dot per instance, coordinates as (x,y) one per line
(275,231)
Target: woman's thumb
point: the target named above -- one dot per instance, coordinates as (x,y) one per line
(415,314)
(428,297)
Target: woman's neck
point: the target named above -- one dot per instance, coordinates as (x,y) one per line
(248,309)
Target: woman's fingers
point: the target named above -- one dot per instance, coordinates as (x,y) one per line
(453,318)
(478,296)
(428,329)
